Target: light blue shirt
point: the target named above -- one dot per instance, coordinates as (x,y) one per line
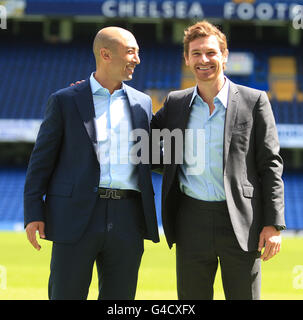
(113,127)
(205,151)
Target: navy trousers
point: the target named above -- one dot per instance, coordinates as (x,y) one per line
(114,241)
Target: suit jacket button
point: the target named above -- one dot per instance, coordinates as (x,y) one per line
(95,189)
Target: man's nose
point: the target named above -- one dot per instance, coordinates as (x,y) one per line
(137,59)
(204,58)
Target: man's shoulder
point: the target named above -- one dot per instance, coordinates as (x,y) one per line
(72,90)
(61,92)
(248,92)
(66,92)
(181,94)
(134,92)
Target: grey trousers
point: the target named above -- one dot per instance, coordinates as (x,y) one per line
(204,238)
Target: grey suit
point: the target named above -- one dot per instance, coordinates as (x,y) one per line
(252,168)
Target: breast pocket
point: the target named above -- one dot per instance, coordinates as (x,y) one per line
(242,127)
(241,136)
(250,191)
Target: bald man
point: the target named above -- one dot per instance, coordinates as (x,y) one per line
(82,191)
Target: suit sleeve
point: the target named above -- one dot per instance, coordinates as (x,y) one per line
(42,162)
(158,123)
(269,163)
(159,119)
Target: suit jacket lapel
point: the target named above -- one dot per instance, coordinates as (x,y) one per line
(85,104)
(182,107)
(231,113)
(186,106)
(132,102)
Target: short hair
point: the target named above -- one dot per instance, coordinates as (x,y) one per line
(203,29)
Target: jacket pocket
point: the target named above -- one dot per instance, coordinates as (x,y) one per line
(248,191)
(60,189)
(240,127)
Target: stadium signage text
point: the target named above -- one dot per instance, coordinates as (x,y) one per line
(194,9)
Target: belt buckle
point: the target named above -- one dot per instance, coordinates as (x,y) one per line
(109,193)
(114,194)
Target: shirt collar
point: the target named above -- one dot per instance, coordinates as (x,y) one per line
(96,86)
(222,94)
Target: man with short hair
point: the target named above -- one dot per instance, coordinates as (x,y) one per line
(96,208)
(235,206)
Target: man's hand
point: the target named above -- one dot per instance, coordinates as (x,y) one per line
(31,229)
(271,239)
(77,82)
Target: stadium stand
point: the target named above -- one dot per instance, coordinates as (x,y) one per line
(11,204)
(287,112)
(282,77)
(12,182)
(43,68)
(293,200)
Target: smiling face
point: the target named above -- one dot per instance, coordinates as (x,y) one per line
(117,54)
(124,59)
(205,59)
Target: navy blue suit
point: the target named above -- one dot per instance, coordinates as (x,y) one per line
(63,173)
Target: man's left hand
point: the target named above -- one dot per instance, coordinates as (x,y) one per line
(271,239)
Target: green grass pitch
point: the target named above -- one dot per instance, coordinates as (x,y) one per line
(24,271)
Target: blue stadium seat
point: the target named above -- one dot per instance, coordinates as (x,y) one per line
(11,200)
(12,184)
(44,68)
(288,112)
(293,200)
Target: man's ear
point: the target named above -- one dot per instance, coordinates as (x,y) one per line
(186,58)
(225,55)
(105,54)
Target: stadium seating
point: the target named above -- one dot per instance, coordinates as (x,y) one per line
(42,68)
(12,183)
(282,77)
(11,200)
(300,72)
(294,200)
(287,112)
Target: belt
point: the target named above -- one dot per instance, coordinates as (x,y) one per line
(117,194)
